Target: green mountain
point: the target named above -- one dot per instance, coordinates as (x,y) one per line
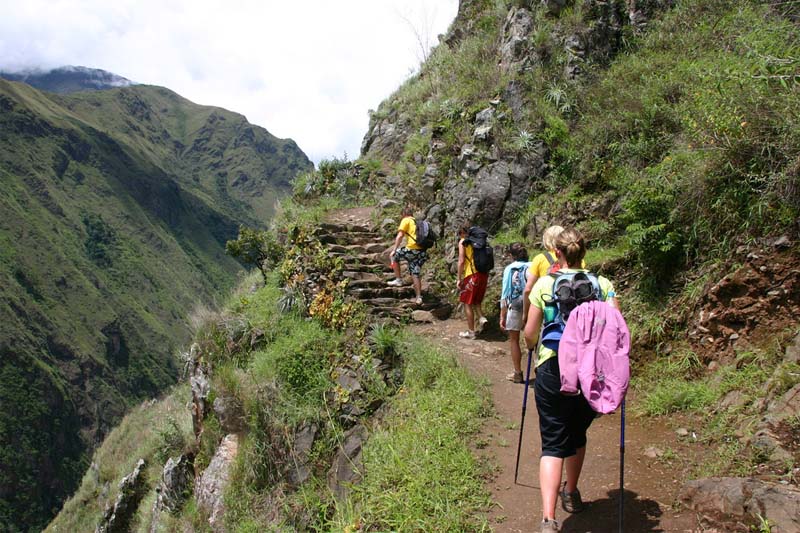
(115,207)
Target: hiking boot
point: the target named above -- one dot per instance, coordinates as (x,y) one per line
(571,501)
(397,282)
(516,377)
(549,526)
(469,335)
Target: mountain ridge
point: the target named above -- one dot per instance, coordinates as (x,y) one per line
(67,79)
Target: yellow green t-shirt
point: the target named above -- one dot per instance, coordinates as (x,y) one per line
(540,265)
(409,227)
(544,287)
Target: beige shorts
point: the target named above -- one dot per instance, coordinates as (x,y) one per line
(514,320)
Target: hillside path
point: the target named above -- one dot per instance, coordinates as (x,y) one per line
(651,484)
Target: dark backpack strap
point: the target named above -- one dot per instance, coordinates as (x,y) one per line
(550,258)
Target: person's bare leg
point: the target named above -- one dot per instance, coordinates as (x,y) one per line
(417,285)
(396,268)
(516,353)
(470,314)
(550,481)
(572,467)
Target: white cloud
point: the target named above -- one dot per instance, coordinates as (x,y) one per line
(308,70)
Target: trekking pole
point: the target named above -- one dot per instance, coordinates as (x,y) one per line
(524,405)
(621,466)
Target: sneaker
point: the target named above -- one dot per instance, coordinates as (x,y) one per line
(515,377)
(549,526)
(571,501)
(418,300)
(397,282)
(467,335)
(481,322)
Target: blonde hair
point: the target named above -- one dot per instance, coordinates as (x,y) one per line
(549,237)
(572,246)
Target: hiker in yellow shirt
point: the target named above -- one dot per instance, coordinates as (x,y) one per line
(412,252)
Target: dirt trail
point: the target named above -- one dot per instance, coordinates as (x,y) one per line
(651,485)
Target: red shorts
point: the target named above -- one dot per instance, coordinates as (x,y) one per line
(473,288)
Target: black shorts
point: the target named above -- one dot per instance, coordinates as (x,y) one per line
(563,420)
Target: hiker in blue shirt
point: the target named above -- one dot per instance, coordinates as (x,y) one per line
(512,305)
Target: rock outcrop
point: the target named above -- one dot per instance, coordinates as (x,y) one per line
(132,488)
(741,504)
(210,487)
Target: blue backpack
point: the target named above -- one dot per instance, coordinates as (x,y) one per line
(519,277)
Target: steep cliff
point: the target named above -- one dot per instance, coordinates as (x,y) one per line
(115,207)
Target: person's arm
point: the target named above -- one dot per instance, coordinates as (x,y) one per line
(397,241)
(461,257)
(526,302)
(532,327)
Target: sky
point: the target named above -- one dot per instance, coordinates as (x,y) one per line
(306,70)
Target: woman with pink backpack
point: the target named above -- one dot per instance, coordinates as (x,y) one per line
(563,420)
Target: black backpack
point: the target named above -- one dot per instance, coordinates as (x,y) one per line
(426,237)
(482,252)
(570,289)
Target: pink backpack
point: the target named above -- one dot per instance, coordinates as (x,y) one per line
(593,356)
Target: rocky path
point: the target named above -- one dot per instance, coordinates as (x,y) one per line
(651,484)
(348,234)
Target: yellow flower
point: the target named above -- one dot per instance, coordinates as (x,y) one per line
(743,124)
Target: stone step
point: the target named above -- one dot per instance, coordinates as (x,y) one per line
(353,238)
(379,282)
(382,292)
(355,275)
(441,312)
(358,249)
(371,268)
(358,263)
(327,227)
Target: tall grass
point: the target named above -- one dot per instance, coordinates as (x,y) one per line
(419,473)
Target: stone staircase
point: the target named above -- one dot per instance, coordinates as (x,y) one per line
(366,266)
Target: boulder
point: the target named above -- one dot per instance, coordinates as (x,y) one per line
(132,488)
(211,485)
(347,465)
(514,48)
(230,413)
(744,501)
(176,480)
(422,316)
(303,442)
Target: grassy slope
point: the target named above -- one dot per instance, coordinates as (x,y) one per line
(104,252)
(282,383)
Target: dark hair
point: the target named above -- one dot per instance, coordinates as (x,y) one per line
(518,251)
(408,210)
(464,228)
(571,244)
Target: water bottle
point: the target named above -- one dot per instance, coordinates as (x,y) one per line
(550,313)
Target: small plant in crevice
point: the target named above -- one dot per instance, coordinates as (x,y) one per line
(385,340)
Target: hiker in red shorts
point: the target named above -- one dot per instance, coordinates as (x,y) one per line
(471,283)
